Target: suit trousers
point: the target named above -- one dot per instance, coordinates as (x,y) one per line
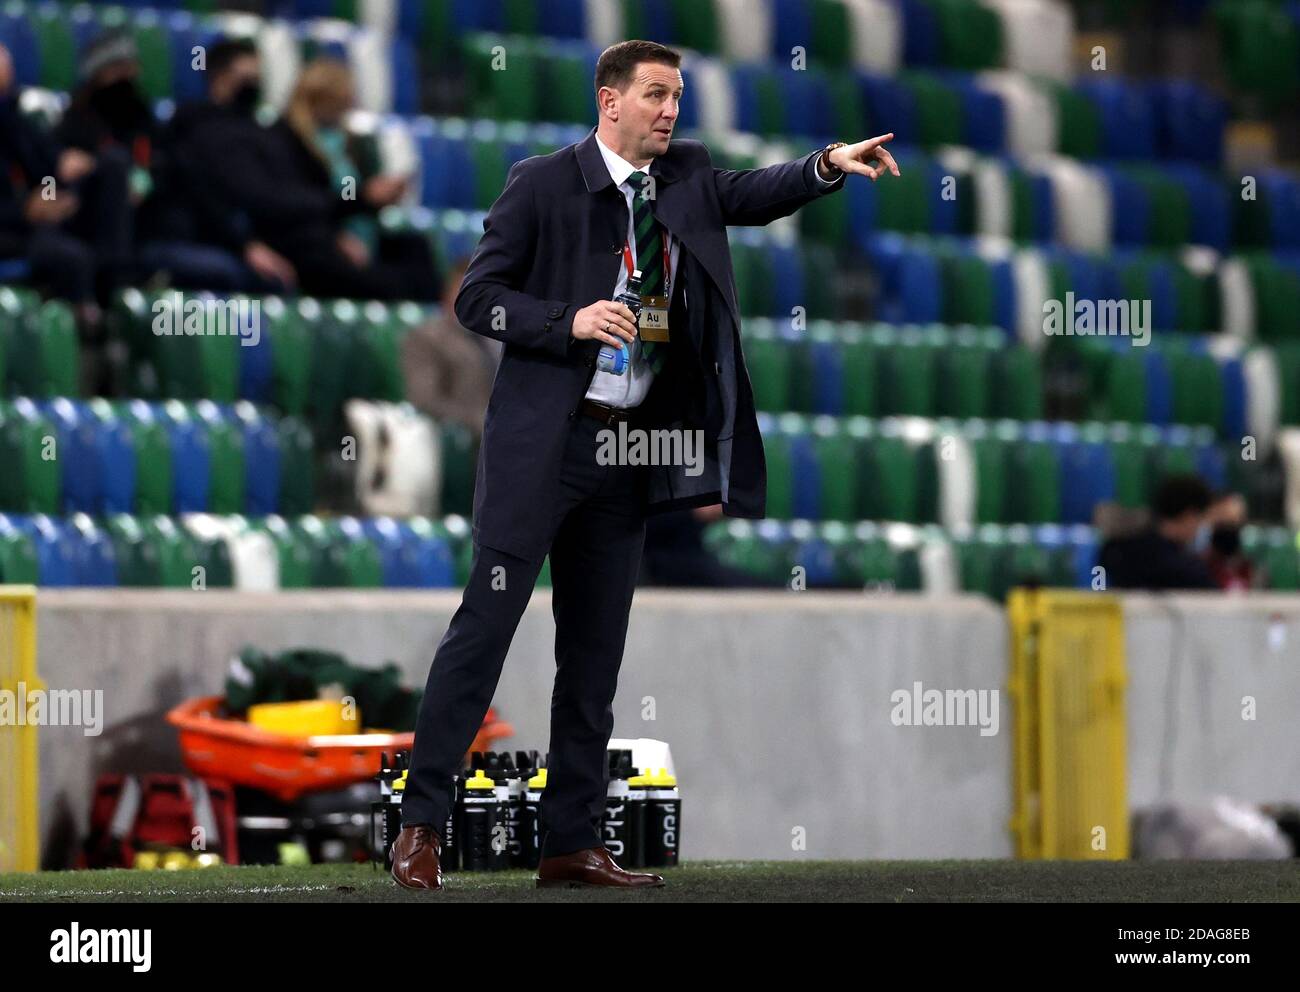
(597,533)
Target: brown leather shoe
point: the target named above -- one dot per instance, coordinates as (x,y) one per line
(592,867)
(415,858)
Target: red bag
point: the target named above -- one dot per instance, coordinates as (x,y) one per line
(130,813)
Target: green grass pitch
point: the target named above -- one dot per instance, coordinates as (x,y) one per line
(702,881)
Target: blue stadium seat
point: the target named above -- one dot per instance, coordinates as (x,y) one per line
(1127,118)
(911,281)
(115,451)
(55,555)
(828,377)
(807,477)
(791,26)
(191,458)
(890,104)
(80,493)
(788,286)
(387,539)
(984,114)
(1212,206)
(1234,398)
(262,466)
(1160,388)
(922,42)
(1130,207)
(93,554)
(563,18)
(1087,476)
(427,560)
(1191,121)
(744,87)
(17,35)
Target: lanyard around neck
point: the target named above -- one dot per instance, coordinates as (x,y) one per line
(627,260)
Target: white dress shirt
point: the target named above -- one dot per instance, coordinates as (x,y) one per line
(629,389)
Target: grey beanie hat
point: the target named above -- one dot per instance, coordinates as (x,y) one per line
(109,47)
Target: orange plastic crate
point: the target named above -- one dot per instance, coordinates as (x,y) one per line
(287,767)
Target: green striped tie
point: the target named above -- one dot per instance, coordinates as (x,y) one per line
(649,257)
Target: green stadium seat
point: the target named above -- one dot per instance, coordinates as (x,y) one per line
(1033,478)
(154,53)
(964,379)
(832,35)
(57,47)
(138,564)
(33,476)
(695,26)
(938,109)
(1078,124)
(768,362)
(907,372)
(1018,384)
(837,443)
(154,481)
(297,473)
(990,453)
(174,550)
(226,448)
(17,558)
(861,364)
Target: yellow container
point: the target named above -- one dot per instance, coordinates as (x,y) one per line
(309,718)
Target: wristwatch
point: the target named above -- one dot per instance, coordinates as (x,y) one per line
(825,159)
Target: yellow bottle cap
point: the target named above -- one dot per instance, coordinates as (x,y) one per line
(480,781)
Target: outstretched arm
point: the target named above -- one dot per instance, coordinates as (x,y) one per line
(753,197)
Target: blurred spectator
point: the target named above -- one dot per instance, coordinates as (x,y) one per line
(194,227)
(109,119)
(337,245)
(449,370)
(1231,569)
(1165,554)
(64,211)
(675,554)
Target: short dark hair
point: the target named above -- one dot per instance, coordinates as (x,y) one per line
(1177,494)
(224,53)
(617,63)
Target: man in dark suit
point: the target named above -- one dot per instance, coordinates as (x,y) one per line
(558,247)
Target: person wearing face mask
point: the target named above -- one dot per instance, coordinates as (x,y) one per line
(195,227)
(107,136)
(108,114)
(60,214)
(1231,569)
(1165,555)
(339,250)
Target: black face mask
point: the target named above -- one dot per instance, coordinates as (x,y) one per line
(119,104)
(1226,540)
(246,98)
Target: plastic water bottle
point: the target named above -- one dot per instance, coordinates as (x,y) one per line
(615,360)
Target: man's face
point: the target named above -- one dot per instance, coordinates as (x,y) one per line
(241,72)
(647,109)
